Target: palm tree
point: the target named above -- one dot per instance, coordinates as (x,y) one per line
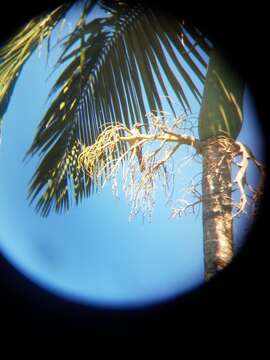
(219,125)
(118,68)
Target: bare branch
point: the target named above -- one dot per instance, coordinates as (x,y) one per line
(241,179)
(147,160)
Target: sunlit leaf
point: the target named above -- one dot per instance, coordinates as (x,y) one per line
(118,68)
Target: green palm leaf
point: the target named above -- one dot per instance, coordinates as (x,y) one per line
(15,53)
(221,111)
(114,74)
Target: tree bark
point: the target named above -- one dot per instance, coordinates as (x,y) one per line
(217,205)
(220,122)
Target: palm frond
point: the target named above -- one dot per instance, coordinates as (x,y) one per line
(119,68)
(221,112)
(15,53)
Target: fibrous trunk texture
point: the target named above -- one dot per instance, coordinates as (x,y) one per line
(217,205)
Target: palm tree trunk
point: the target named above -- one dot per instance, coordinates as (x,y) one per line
(217,205)
(220,122)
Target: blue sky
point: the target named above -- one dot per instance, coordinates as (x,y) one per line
(94,254)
